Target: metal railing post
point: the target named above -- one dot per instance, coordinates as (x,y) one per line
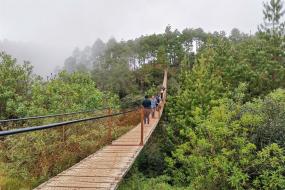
(2,126)
(142,125)
(63,129)
(63,133)
(110,126)
(159,108)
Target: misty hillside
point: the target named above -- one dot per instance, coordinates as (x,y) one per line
(45,59)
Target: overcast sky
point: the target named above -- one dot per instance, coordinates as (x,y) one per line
(69,23)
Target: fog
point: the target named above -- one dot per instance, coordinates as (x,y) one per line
(45,32)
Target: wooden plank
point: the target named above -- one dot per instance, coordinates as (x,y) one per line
(71,188)
(86,179)
(123,159)
(119,151)
(116,154)
(77,184)
(95,172)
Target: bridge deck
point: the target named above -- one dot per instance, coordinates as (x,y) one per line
(105,168)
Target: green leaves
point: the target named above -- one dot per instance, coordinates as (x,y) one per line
(228,148)
(15,81)
(219,139)
(68,93)
(270,165)
(33,157)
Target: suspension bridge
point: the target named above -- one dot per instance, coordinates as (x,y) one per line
(106,168)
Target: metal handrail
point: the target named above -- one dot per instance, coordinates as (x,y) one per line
(53,125)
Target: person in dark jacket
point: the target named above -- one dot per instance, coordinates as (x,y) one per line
(158,102)
(147,109)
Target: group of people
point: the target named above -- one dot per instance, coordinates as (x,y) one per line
(151,105)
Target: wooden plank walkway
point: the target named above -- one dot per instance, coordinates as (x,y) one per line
(107,167)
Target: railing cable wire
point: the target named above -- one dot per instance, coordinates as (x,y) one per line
(54,125)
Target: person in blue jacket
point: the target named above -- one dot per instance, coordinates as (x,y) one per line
(153,106)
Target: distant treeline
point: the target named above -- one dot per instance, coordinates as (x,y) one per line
(123,67)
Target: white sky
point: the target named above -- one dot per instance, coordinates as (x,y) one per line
(69,23)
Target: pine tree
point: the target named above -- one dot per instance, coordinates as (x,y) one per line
(273,12)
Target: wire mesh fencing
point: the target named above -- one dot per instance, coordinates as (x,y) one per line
(29,158)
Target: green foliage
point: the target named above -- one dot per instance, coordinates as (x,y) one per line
(217,141)
(31,158)
(15,82)
(67,93)
(198,90)
(252,61)
(268,116)
(161,56)
(139,182)
(219,152)
(152,91)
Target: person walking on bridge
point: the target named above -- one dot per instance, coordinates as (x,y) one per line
(147,109)
(153,106)
(161,94)
(158,102)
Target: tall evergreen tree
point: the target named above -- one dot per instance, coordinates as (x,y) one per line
(273,12)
